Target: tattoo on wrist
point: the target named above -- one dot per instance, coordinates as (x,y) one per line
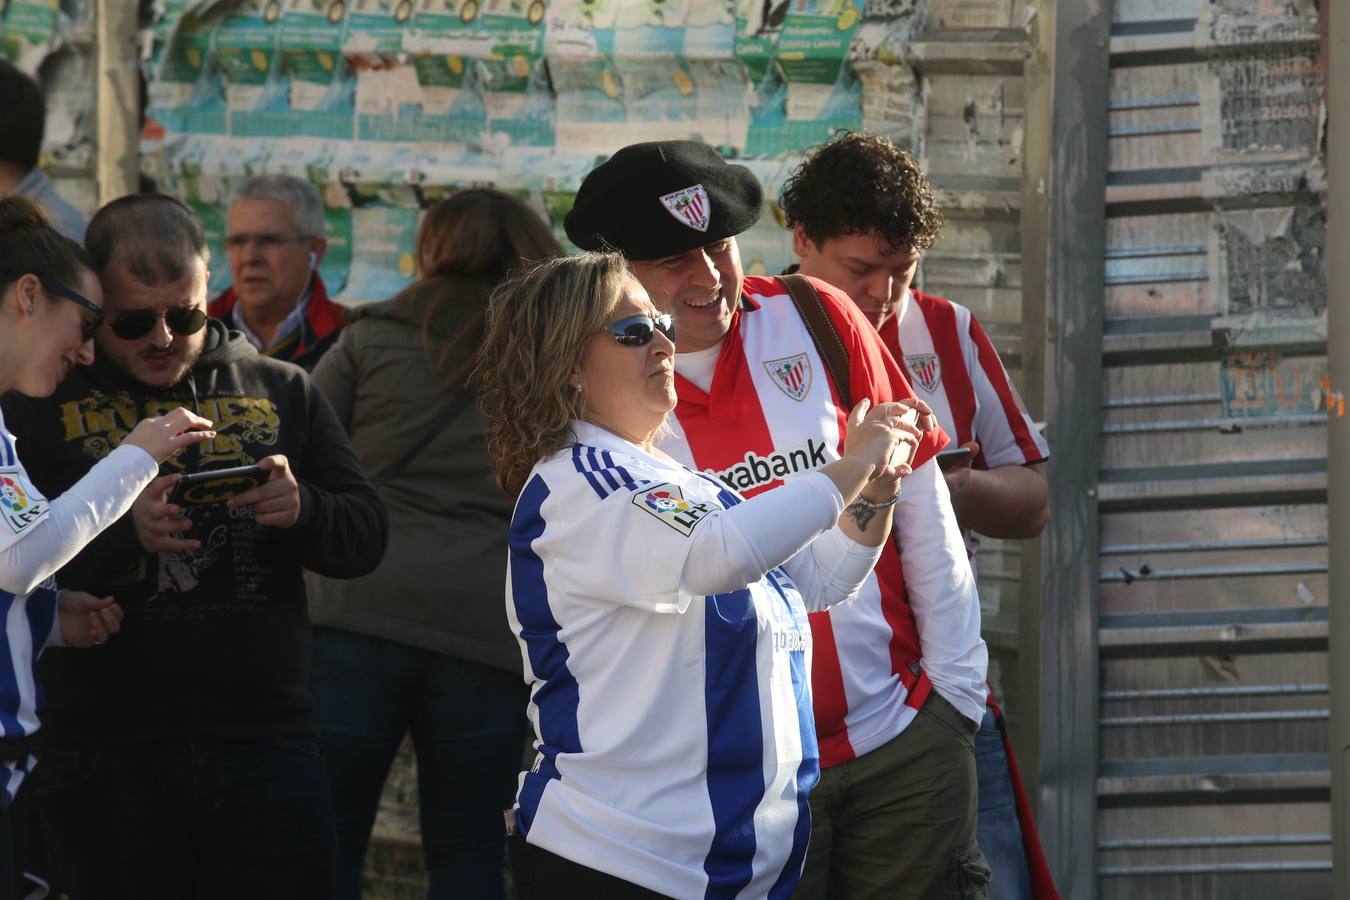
(861,514)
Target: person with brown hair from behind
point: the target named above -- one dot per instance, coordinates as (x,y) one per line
(422,643)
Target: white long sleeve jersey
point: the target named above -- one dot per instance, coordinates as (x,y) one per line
(665,639)
(37,537)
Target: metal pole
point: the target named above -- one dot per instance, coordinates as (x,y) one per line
(1338,431)
(1037,120)
(1064,253)
(119,114)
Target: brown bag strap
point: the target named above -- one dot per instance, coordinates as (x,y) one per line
(817,321)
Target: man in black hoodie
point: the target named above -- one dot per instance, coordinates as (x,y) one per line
(182,760)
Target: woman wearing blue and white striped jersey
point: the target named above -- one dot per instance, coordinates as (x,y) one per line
(50,309)
(661,617)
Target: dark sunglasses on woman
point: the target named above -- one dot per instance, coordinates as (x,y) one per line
(52,286)
(182,321)
(638,331)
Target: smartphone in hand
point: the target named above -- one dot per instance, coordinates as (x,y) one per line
(948,458)
(904,453)
(216,486)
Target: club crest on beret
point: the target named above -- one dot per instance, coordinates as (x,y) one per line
(690,206)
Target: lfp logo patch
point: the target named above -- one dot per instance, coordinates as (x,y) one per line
(792,374)
(690,206)
(927,370)
(20,505)
(666,502)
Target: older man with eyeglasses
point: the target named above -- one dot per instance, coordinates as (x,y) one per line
(274,242)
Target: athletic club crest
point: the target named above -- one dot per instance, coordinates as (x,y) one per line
(690,206)
(792,374)
(927,370)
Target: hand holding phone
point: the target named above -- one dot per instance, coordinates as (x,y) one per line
(216,486)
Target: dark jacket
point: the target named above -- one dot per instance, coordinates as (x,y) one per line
(306,345)
(442,584)
(216,641)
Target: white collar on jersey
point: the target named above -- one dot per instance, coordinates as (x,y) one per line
(905,303)
(604,439)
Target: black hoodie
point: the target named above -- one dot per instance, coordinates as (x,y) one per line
(216,641)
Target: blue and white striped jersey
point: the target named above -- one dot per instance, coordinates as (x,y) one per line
(28,618)
(674,732)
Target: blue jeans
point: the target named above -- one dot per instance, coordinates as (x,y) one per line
(195,818)
(998,832)
(468,728)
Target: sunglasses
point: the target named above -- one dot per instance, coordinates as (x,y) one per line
(52,286)
(638,331)
(182,321)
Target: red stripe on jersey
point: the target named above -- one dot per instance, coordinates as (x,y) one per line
(993,370)
(742,426)
(940,316)
(905,648)
(827,691)
(875,375)
(917,688)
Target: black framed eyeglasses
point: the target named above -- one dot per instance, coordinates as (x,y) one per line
(52,286)
(638,331)
(182,321)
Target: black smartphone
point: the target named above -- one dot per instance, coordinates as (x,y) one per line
(216,486)
(948,458)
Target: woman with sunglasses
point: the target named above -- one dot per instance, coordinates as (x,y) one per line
(50,307)
(661,616)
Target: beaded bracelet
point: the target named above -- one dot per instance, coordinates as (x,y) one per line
(885,504)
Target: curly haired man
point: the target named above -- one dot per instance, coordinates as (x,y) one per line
(862,214)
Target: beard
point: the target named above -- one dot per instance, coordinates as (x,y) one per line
(183,358)
(190,356)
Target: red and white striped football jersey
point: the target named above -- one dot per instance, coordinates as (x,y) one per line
(956,370)
(773,413)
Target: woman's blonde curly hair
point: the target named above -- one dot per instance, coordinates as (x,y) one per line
(538,324)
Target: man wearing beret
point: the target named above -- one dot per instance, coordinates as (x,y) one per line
(897,673)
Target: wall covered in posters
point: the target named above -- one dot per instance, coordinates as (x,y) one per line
(53,41)
(386,104)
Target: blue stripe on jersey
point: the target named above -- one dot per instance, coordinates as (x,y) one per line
(600,469)
(808,772)
(7,455)
(557,698)
(9,673)
(602,473)
(735,740)
(581,466)
(724,496)
(628,480)
(41,609)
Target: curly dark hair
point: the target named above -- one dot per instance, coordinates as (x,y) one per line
(860,183)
